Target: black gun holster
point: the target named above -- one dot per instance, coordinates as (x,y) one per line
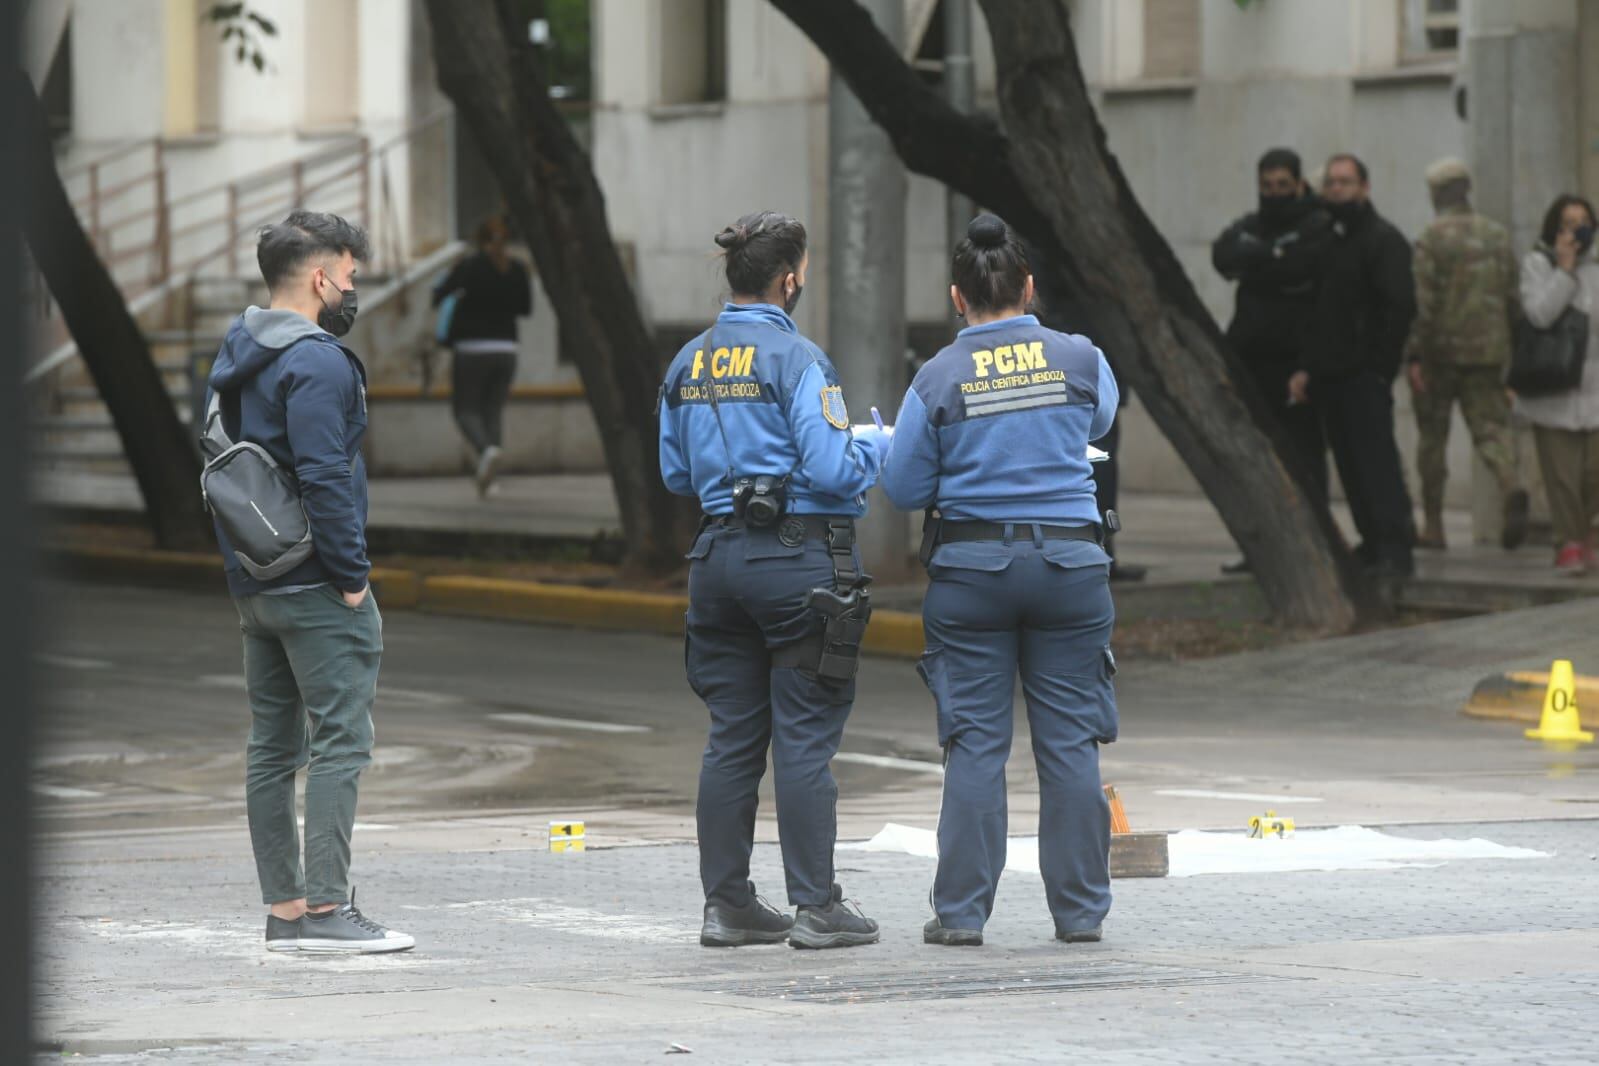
(834,653)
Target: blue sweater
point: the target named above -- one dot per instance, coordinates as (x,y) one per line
(288,386)
(783,412)
(996,427)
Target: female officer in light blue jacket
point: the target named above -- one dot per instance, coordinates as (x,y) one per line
(993,438)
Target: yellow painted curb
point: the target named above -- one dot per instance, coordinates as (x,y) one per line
(892,633)
(398,589)
(1518,697)
(895,633)
(570,605)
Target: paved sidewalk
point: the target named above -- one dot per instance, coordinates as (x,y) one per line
(525,956)
(1180,539)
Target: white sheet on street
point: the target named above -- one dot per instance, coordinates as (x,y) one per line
(1349,847)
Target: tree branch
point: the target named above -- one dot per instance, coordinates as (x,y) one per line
(930,136)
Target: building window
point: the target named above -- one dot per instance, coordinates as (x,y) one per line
(333,60)
(693,53)
(1171,39)
(1431,28)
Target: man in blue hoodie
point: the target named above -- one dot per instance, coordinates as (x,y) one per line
(313,638)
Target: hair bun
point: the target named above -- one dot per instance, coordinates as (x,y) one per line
(987,231)
(733,237)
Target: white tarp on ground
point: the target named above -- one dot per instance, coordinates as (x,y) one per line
(1349,847)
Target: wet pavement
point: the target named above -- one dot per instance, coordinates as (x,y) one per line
(149,929)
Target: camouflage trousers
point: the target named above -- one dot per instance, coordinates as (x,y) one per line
(1481,395)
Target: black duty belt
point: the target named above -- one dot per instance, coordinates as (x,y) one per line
(961,531)
(814,525)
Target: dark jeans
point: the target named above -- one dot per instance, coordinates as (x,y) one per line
(746,594)
(992,610)
(1301,424)
(481,381)
(311,670)
(1358,416)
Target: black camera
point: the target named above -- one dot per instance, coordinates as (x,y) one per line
(760,501)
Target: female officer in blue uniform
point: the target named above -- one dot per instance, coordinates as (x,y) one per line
(993,437)
(753,423)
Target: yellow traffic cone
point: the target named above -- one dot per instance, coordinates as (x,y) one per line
(1560,721)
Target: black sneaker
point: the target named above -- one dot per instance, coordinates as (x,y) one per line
(1080,936)
(840,924)
(1514,533)
(345,929)
(282,934)
(757,922)
(934,932)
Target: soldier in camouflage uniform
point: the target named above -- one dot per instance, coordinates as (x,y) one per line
(1466,293)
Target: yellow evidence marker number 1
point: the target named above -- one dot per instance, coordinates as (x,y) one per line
(566,836)
(1560,721)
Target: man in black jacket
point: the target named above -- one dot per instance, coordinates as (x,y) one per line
(1352,354)
(1275,254)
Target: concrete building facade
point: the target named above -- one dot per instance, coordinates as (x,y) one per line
(705,109)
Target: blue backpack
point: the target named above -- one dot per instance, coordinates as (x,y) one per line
(441,326)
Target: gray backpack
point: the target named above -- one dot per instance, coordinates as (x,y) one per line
(255,501)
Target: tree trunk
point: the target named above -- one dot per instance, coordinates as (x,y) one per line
(549,185)
(158,446)
(1050,173)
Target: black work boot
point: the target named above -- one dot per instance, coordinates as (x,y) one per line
(1080,936)
(935,932)
(840,924)
(757,922)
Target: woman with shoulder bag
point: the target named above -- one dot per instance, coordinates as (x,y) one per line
(1559,276)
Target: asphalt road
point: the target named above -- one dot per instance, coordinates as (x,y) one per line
(149,930)
(144,718)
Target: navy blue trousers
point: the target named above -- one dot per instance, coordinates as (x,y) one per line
(1044,610)
(747,596)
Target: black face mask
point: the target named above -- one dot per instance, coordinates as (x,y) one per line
(1277,208)
(1584,237)
(793,300)
(338,320)
(1347,211)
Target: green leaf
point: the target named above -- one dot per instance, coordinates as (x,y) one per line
(259,62)
(240,54)
(268,27)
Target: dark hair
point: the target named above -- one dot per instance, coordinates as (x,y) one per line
(1349,157)
(758,248)
(285,247)
(1551,218)
(1279,159)
(990,267)
(485,229)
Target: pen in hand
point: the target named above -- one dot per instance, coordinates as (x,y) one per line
(877,416)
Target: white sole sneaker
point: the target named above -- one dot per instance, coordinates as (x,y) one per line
(283,946)
(391,943)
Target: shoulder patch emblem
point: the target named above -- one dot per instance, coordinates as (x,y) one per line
(833,407)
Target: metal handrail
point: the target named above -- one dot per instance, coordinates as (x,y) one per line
(167,276)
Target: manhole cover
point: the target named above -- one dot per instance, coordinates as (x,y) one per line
(967,983)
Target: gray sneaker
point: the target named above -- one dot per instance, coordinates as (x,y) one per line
(346,929)
(840,924)
(1080,936)
(486,465)
(282,934)
(757,922)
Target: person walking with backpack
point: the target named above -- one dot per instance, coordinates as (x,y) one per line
(294,397)
(489,291)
